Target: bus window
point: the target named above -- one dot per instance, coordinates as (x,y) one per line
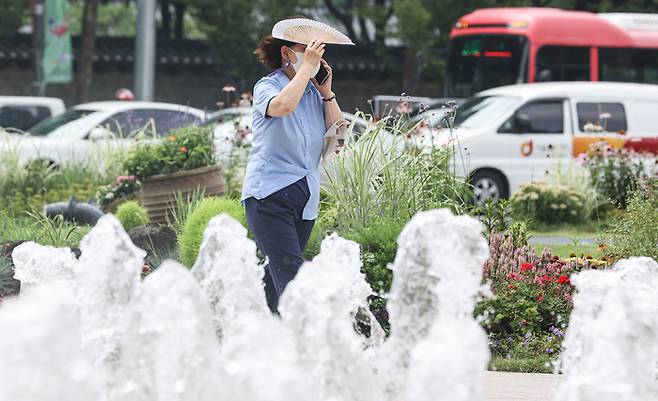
(562,63)
(479,62)
(591,113)
(628,65)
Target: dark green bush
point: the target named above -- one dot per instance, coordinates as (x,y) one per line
(378,243)
(131,215)
(636,232)
(189,241)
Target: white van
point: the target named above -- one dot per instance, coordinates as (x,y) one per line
(23,112)
(513,134)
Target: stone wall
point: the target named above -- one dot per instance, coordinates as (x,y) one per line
(197,86)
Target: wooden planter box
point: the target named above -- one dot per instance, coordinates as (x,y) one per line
(158,193)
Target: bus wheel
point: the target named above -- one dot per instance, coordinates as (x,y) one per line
(488,184)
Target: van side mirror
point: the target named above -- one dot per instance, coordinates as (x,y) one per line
(100,133)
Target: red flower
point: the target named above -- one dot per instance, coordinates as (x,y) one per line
(540,298)
(526,267)
(563,280)
(511,287)
(183,149)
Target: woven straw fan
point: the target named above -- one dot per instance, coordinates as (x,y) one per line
(302,30)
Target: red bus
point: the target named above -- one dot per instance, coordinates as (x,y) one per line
(501,46)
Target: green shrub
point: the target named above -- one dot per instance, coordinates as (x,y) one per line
(636,232)
(131,215)
(184,149)
(189,241)
(548,204)
(378,243)
(617,173)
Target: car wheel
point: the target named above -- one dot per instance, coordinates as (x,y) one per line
(488,185)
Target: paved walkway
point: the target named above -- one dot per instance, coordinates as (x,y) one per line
(504,386)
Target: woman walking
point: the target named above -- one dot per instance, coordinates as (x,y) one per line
(292,112)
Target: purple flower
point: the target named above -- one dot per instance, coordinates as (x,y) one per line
(549,351)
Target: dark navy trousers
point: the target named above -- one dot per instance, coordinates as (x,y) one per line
(281,235)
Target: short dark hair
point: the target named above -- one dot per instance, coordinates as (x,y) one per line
(268,51)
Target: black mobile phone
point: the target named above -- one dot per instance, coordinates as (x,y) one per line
(322,75)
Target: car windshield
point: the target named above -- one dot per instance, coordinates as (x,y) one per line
(52,123)
(483,111)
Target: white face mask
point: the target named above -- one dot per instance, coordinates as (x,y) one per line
(300,60)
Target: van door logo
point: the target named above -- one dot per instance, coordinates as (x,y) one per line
(526,148)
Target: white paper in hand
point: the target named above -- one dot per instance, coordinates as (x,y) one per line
(334,139)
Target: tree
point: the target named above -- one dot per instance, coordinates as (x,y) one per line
(15,13)
(87,49)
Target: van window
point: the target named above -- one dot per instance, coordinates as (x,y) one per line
(543,117)
(591,113)
(22,117)
(562,63)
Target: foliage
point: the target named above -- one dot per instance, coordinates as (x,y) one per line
(548,203)
(378,242)
(189,241)
(616,173)
(122,188)
(184,149)
(381,175)
(636,232)
(579,178)
(182,208)
(38,228)
(8,284)
(532,297)
(131,215)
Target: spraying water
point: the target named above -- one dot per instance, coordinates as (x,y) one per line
(170,351)
(37,264)
(227,269)
(437,276)
(41,358)
(320,306)
(611,346)
(106,335)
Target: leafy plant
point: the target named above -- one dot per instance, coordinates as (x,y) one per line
(182,207)
(56,231)
(548,203)
(122,188)
(189,241)
(184,149)
(617,173)
(636,232)
(579,178)
(383,173)
(131,215)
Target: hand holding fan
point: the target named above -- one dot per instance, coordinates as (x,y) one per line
(302,30)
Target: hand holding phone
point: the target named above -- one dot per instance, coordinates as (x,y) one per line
(322,75)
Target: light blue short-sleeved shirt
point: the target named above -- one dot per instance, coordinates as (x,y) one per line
(285,149)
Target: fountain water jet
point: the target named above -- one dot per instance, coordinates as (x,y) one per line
(227,269)
(170,351)
(437,280)
(106,276)
(40,354)
(611,346)
(37,264)
(320,306)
